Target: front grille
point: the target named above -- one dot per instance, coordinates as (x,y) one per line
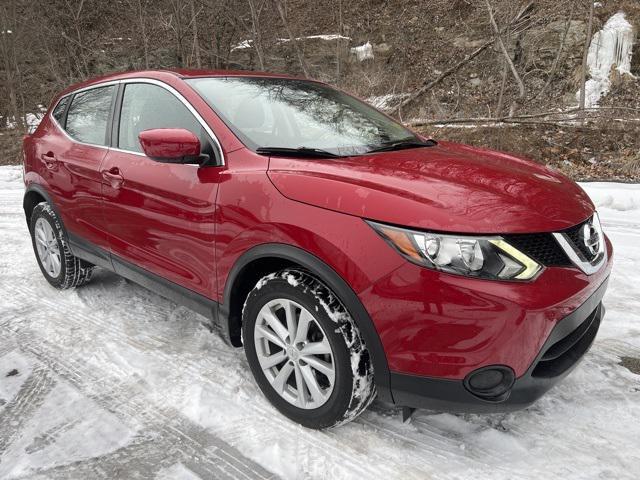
(541,247)
(544,249)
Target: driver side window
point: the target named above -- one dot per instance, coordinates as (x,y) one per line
(147,106)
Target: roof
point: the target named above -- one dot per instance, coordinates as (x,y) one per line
(172,74)
(186,73)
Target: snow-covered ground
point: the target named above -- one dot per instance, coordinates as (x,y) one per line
(113,381)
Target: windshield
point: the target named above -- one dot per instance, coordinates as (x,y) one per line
(297,114)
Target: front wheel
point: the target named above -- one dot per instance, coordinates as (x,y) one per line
(305,350)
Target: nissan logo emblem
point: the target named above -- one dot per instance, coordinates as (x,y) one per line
(591,238)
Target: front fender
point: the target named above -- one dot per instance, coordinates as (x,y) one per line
(332,280)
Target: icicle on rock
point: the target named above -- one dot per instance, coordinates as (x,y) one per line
(613,45)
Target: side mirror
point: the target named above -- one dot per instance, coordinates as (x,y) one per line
(171,145)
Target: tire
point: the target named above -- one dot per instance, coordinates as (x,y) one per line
(61,268)
(331,350)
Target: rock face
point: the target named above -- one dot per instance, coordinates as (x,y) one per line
(321,53)
(318,50)
(381,56)
(543,43)
(465,42)
(382,49)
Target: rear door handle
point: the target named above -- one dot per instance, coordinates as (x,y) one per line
(114,177)
(50,161)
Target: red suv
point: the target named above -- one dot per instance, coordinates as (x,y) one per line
(348,255)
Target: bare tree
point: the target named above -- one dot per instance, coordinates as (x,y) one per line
(556,60)
(8,58)
(585,57)
(74,10)
(194,29)
(503,87)
(174,22)
(141,8)
(339,42)
(224,20)
(507,57)
(518,24)
(292,39)
(255,30)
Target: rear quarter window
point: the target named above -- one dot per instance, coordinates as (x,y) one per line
(88,115)
(60,108)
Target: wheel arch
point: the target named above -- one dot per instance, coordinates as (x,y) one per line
(34,195)
(268,258)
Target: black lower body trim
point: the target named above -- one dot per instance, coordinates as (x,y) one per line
(89,252)
(179,294)
(570,339)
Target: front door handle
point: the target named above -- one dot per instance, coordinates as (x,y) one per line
(114,177)
(50,161)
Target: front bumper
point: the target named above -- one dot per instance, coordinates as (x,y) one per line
(567,343)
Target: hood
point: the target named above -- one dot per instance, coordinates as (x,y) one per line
(447,188)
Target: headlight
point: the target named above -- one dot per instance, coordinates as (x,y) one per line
(488,257)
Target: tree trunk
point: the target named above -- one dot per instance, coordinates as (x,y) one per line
(585,57)
(196,43)
(292,38)
(505,52)
(255,30)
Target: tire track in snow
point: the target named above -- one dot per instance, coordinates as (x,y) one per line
(194,368)
(19,411)
(131,407)
(438,445)
(49,437)
(276,425)
(140,459)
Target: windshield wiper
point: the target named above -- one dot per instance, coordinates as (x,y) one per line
(296,152)
(403,144)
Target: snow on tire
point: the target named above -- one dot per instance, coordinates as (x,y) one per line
(58,265)
(305,350)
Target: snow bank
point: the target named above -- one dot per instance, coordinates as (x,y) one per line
(622,197)
(363,52)
(611,46)
(30,120)
(618,204)
(319,37)
(244,44)
(388,101)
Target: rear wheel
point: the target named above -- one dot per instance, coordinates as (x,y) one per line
(58,265)
(305,350)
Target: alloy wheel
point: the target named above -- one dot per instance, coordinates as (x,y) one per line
(47,247)
(294,353)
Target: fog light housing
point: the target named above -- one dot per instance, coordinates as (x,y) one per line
(492,383)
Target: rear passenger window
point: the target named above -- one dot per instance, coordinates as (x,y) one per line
(145,107)
(89,115)
(58,112)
